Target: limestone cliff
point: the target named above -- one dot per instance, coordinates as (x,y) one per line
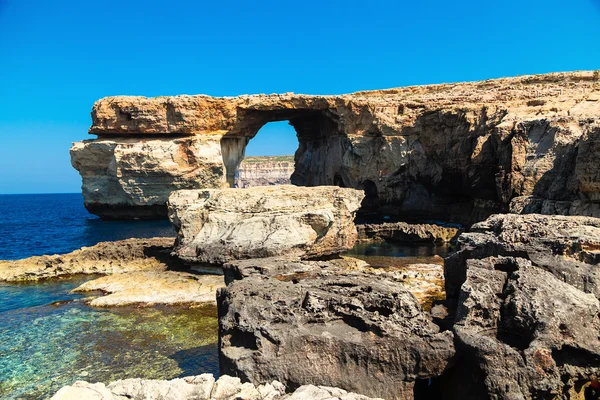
(453,151)
(264,171)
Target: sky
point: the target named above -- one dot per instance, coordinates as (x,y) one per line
(58,57)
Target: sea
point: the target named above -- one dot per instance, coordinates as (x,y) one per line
(50,338)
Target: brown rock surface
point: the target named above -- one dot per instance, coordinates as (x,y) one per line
(454,151)
(104,258)
(527,319)
(331,323)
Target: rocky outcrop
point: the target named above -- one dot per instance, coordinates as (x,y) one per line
(328,323)
(264,171)
(217,225)
(527,320)
(138,272)
(452,152)
(567,247)
(405,232)
(103,258)
(200,387)
(131,178)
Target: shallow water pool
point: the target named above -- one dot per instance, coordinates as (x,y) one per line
(49,338)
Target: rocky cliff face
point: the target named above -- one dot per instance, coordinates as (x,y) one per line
(454,152)
(264,171)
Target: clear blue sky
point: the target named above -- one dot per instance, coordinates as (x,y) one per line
(58,57)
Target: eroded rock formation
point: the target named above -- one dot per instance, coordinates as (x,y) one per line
(103,258)
(328,324)
(218,225)
(264,171)
(453,152)
(527,320)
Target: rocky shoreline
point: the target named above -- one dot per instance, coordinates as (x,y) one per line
(513,311)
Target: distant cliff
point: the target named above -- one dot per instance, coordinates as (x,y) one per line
(264,171)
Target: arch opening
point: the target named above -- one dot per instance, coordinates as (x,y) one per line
(268,157)
(318,138)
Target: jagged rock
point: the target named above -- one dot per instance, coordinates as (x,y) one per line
(264,171)
(405,232)
(453,152)
(525,326)
(566,246)
(103,258)
(317,322)
(215,226)
(200,387)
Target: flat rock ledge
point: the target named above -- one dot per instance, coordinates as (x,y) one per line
(103,258)
(218,225)
(200,387)
(138,272)
(406,232)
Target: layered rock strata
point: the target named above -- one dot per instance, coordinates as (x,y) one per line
(103,258)
(405,232)
(328,323)
(217,225)
(138,272)
(453,152)
(264,171)
(200,387)
(527,319)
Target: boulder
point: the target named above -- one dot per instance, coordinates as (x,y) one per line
(327,323)
(215,226)
(527,317)
(200,387)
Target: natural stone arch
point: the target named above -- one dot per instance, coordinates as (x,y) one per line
(314,129)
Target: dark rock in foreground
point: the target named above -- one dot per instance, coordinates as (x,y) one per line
(527,321)
(331,327)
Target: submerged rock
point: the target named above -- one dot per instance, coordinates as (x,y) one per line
(216,226)
(327,323)
(103,258)
(200,387)
(527,320)
(154,287)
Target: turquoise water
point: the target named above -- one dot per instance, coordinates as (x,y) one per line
(49,338)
